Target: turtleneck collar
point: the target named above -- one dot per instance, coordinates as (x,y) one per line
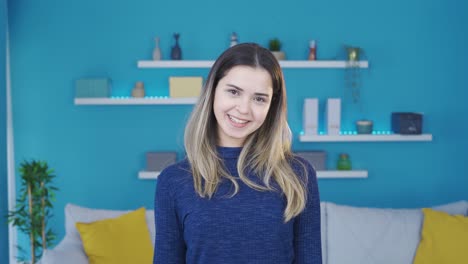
(229,152)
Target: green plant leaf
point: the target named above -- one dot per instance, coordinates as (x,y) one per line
(37,176)
(275,44)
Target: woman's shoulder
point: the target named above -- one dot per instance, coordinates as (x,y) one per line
(178,167)
(175,172)
(301,165)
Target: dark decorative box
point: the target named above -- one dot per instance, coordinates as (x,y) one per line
(157,161)
(407,123)
(318,159)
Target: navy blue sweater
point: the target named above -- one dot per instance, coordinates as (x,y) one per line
(247,228)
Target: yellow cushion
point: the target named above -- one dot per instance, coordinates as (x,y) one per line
(124,239)
(444,239)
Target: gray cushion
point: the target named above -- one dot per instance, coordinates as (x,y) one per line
(323,230)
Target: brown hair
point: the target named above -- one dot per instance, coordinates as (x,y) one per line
(267,151)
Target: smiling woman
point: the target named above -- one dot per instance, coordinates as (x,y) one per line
(241,103)
(240,196)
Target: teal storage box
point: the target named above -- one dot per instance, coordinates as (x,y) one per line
(97,87)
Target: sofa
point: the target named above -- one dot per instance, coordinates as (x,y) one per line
(349,234)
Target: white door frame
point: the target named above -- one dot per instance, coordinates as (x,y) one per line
(11,179)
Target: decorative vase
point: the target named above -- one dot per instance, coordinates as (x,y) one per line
(176,52)
(139,90)
(364,126)
(279,55)
(157,50)
(312,50)
(344,163)
(233,39)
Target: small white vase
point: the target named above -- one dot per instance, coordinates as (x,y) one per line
(157,50)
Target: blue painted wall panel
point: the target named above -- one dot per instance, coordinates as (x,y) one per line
(3,137)
(417,52)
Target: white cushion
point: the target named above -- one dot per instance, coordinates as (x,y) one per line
(65,252)
(374,235)
(459,207)
(75,213)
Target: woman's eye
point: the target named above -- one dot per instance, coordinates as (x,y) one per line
(233,91)
(260,99)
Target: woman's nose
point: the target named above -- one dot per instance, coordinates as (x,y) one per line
(243,107)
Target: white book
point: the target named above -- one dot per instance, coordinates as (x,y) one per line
(333,116)
(310,116)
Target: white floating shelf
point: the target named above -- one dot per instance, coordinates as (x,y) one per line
(284,64)
(323,64)
(364,138)
(328,174)
(135,101)
(176,64)
(148,175)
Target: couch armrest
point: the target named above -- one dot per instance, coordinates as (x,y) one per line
(65,252)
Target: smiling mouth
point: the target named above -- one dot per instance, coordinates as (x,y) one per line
(237,121)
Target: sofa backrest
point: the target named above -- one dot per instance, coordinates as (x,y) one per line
(374,235)
(349,234)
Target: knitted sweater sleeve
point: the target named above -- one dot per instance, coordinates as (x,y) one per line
(169,244)
(307,236)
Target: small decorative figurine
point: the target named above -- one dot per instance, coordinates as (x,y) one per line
(157,50)
(312,50)
(233,39)
(176,52)
(139,90)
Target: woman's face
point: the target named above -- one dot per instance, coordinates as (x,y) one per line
(241,102)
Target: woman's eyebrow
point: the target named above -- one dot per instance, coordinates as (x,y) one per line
(240,89)
(234,86)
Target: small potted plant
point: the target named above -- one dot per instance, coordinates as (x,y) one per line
(275,48)
(34,208)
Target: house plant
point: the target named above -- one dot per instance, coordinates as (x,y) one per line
(34,208)
(353,71)
(275,48)
(354,83)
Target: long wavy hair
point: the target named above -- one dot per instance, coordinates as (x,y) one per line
(267,151)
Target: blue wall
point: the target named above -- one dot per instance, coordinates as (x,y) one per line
(417,52)
(3,120)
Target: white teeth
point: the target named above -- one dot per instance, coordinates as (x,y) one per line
(237,120)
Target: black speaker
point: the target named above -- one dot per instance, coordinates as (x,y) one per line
(407,123)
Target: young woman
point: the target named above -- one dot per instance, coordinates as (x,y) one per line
(240,196)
